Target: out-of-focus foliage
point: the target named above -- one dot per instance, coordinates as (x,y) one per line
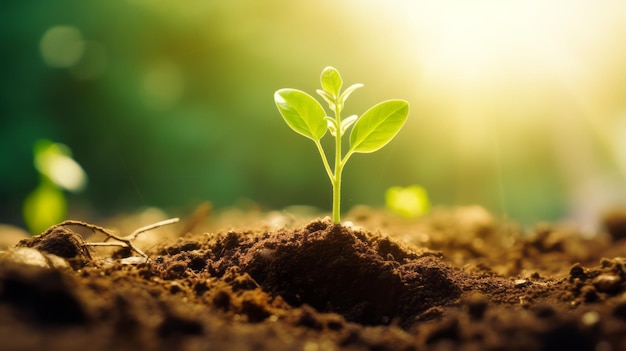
(44,207)
(54,162)
(516,105)
(47,205)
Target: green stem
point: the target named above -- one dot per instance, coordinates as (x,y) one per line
(336,181)
(346,157)
(324,160)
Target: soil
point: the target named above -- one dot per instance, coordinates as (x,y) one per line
(457,279)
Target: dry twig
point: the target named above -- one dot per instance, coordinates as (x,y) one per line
(123,241)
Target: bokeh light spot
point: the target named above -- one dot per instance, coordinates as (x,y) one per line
(62,46)
(55,162)
(410,202)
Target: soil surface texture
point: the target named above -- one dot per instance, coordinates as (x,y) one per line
(457,279)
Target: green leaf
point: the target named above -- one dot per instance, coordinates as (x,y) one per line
(344,96)
(332,125)
(327,97)
(44,207)
(302,113)
(55,162)
(346,123)
(376,127)
(331,81)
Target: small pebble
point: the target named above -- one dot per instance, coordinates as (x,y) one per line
(33,257)
(607,283)
(520,283)
(577,271)
(133,260)
(615,223)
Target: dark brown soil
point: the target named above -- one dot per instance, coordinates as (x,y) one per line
(455,280)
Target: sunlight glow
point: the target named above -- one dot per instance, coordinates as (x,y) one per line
(515,87)
(473,41)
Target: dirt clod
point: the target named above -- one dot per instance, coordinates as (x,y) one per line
(615,223)
(61,242)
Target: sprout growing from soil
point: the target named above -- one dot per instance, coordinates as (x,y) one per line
(370,132)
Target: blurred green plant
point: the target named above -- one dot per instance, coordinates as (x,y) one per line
(47,205)
(373,130)
(410,202)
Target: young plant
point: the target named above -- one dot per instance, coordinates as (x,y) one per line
(370,132)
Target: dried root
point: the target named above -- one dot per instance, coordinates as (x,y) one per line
(121,241)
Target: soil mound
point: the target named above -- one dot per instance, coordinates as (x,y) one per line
(61,242)
(367,278)
(336,269)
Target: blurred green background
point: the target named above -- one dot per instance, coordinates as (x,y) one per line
(519,106)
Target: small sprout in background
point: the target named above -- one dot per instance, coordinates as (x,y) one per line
(54,161)
(370,132)
(46,205)
(410,202)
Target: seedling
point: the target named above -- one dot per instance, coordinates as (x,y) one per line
(370,132)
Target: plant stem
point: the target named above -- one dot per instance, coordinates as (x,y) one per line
(336,181)
(325,161)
